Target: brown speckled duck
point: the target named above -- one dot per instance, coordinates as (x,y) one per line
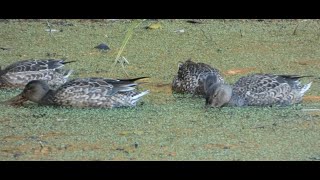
(256,90)
(191,77)
(18,74)
(83,92)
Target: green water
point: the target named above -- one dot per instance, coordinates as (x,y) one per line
(164,126)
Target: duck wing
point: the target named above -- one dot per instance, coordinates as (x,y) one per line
(268,89)
(35,65)
(102,86)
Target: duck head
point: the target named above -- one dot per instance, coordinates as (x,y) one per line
(34,91)
(217,94)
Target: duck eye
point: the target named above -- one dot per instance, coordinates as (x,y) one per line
(28,87)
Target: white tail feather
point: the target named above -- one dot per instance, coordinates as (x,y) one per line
(305,88)
(126,89)
(69,72)
(138,96)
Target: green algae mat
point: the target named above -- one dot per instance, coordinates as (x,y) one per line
(164,126)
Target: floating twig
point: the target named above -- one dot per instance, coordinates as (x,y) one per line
(50,29)
(125,41)
(5,49)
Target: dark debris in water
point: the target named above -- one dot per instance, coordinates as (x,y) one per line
(5,48)
(102,46)
(194,21)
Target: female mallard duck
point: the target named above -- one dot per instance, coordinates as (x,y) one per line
(82,92)
(191,77)
(256,90)
(18,74)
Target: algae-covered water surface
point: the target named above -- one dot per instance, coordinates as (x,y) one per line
(164,126)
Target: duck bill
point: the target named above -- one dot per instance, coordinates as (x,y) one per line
(16,101)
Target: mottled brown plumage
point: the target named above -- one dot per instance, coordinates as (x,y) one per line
(83,92)
(18,74)
(191,77)
(257,90)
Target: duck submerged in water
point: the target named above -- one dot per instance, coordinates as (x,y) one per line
(83,92)
(191,77)
(256,90)
(18,74)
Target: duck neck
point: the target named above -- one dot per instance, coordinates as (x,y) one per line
(1,82)
(228,93)
(236,99)
(48,98)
